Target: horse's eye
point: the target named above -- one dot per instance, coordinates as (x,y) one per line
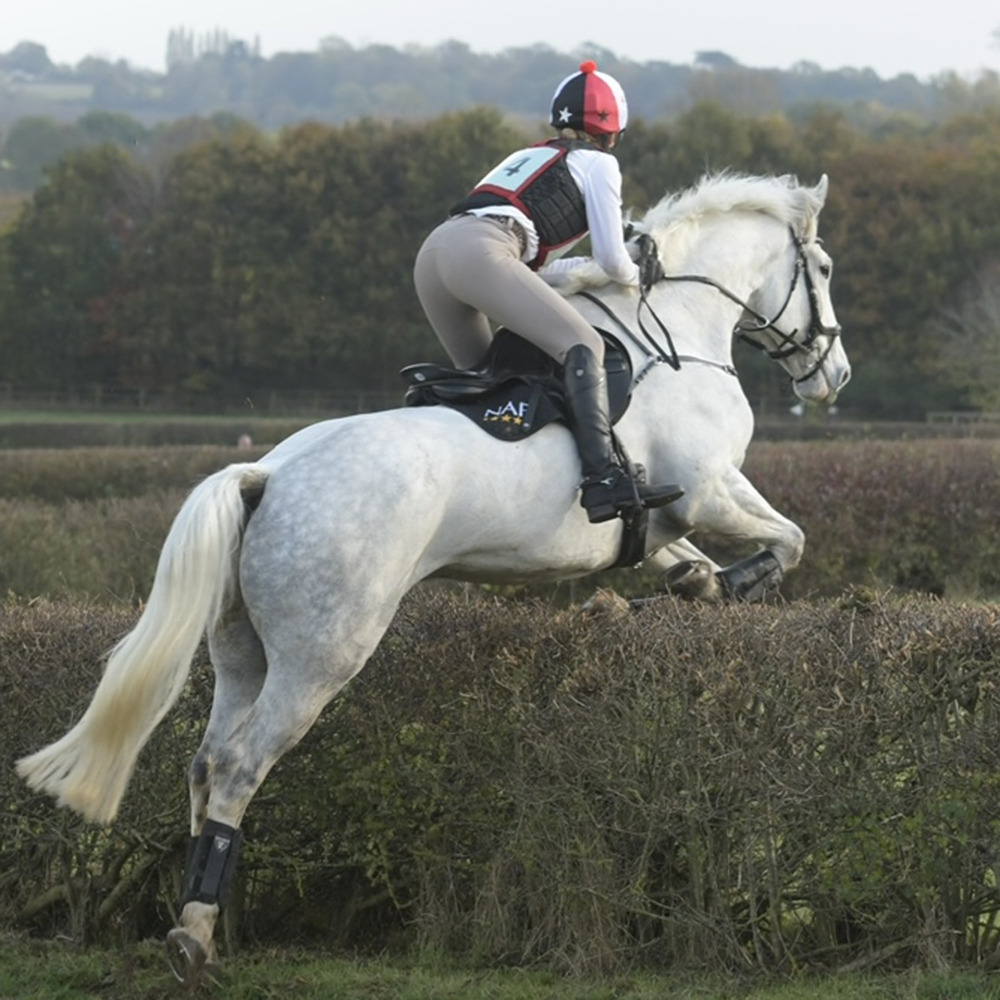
(826,270)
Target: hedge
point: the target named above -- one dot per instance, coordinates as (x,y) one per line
(804,784)
(911,515)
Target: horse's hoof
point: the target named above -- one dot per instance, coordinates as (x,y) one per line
(188,959)
(693,580)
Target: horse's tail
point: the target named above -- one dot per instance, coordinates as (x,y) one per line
(89,768)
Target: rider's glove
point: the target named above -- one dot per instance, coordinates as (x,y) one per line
(650,268)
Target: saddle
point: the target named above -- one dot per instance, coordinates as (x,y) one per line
(517,390)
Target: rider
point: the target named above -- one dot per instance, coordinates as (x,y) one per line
(483,262)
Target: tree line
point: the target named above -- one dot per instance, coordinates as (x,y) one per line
(338,83)
(249,261)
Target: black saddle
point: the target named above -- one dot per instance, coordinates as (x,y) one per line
(518,388)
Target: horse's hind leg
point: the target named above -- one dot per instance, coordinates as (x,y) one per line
(296,688)
(240,667)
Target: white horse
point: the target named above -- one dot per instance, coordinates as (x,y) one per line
(294,565)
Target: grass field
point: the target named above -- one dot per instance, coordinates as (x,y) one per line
(58,92)
(52,971)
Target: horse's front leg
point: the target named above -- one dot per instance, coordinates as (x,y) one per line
(693,574)
(736,510)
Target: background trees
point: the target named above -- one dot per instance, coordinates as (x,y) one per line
(339,83)
(208,257)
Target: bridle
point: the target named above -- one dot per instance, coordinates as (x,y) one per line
(747,329)
(787,342)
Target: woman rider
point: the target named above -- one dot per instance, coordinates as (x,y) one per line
(484,260)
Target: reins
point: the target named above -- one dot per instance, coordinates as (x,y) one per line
(787,344)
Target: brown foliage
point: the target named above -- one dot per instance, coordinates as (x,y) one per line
(911,515)
(60,875)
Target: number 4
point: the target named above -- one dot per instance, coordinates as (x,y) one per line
(515,168)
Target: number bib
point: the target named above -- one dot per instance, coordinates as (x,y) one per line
(520,168)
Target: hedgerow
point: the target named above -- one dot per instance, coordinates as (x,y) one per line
(769,787)
(908,515)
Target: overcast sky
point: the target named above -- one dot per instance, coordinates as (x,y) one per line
(888,36)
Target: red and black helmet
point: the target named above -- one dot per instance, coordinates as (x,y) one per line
(591,102)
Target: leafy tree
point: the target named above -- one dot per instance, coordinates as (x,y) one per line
(27,57)
(744,91)
(61,260)
(969,337)
(204,274)
(709,138)
(32,145)
(231,261)
(111,126)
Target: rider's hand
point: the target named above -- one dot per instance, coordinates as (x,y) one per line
(650,268)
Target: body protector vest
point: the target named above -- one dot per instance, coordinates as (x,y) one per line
(537,181)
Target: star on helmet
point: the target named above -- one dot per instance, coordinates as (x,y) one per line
(590,102)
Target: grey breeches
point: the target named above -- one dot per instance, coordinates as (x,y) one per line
(468,269)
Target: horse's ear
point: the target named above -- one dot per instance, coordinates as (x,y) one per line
(820,191)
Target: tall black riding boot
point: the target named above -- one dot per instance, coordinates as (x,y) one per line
(609,490)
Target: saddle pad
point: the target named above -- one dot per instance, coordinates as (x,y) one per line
(513,410)
(526,392)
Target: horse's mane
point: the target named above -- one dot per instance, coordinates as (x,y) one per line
(674,222)
(783,198)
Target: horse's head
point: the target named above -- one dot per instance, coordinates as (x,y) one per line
(756,240)
(791,316)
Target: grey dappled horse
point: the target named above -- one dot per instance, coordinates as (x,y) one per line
(295,564)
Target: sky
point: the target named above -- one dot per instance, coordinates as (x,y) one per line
(887,36)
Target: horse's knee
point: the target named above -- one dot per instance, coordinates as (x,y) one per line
(199,778)
(800,544)
(198,773)
(789,548)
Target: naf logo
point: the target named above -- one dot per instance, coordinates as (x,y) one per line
(513,412)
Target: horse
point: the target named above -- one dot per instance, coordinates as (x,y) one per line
(294,565)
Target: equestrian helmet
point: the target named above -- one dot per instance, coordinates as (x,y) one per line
(590,102)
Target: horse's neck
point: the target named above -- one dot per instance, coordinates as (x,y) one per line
(729,252)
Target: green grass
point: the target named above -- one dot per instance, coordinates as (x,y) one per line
(31,970)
